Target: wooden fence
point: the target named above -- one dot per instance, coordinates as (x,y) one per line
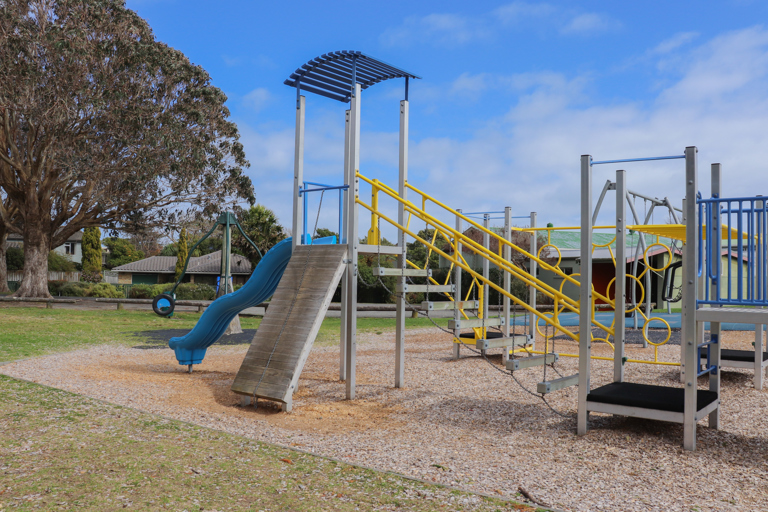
(52,276)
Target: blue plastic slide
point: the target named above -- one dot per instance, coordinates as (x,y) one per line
(190,349)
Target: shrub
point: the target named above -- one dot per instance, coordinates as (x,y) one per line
(90,277)
(141,291)
(237,287)
(105,291)
(54,287)
(59,263)
(195,291)
(75,289)
(14,259)
(157,289)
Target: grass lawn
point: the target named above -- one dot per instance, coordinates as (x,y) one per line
(30,332)
(60,451)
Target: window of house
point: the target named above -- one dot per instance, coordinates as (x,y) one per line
(69,248)
(567,270)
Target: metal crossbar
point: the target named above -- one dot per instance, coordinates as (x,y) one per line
(674,157)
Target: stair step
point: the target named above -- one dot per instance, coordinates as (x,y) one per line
(411,272)
(528,362)
(423,288)
(464,304)
(557,384)
(519,340)
(475,322)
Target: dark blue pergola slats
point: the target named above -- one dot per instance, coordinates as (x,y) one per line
(333,74)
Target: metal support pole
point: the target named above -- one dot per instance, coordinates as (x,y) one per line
(352,242)
(690,287)
(507,253)
(585,294)
(714,327)
(621,277)
(684,258)
(298,173)
(534,267)
(343,240)
(486,273)
(458,297)
(401,259)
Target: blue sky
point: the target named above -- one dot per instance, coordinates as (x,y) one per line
(512,92)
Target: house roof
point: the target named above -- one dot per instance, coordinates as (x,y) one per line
(206,264)
(75,237)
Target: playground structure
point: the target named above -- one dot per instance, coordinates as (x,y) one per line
(279,350)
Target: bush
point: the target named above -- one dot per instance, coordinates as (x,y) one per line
(237,287)
(59,263)
(91,277)
(14,259)
(106,291)
(157,289)
(195,291)
(141,291)
(54,287)
(75,289)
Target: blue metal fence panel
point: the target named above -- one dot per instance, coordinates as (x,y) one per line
(745,220)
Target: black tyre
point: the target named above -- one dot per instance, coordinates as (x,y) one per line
(163,304)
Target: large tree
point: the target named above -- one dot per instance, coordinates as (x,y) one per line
(100,124)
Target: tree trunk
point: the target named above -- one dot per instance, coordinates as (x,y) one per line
(34,281)
(3,267)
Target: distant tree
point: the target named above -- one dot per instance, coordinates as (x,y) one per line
(14,258)
(417,252)
(121,252)
(9,217)
(182,253)
(147,241)
(323,233)
(92,254)
(57,263)
(102,125)
(261,225)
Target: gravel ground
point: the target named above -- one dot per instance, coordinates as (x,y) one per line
(461,423)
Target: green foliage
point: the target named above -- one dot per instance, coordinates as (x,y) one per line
(181,254)
(75,289)
(262,227)
(92,249)
(323,233)
(195,291)
(54,287)
(106,291)
(91,277)
(157,289)
(417,252)
(121,252)
(59,263)
(14,259)
(141,291)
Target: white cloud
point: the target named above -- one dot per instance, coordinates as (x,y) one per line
(518,12)
(257,99)
(528,158)
(675,42)
(452,30)
(436,29)
(590,24)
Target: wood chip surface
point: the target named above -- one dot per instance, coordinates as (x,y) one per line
(462,423)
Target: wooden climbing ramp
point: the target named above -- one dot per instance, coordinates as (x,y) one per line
(280,347)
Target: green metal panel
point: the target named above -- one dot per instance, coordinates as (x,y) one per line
(144,279)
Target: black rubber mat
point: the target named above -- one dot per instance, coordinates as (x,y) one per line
(160,338)
(646,396)
(746,356)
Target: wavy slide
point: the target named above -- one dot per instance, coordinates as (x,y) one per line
(190,349)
